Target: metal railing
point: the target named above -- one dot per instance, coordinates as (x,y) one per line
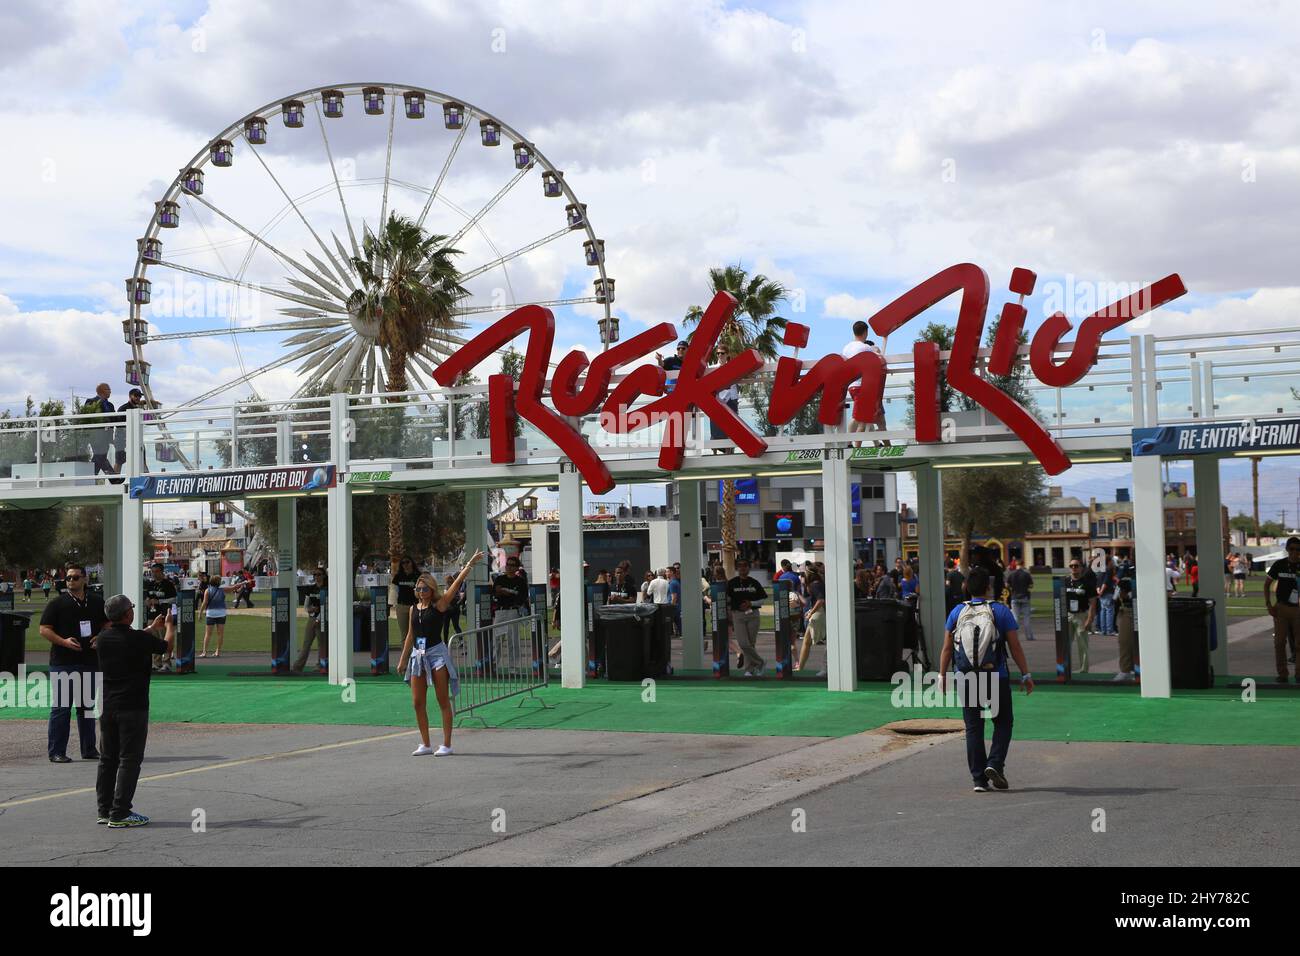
(498,661)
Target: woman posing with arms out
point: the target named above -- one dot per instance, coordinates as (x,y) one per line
(213,608)
(425,659)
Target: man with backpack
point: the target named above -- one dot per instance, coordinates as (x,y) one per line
(977,638)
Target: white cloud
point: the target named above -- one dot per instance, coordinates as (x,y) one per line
(845,306)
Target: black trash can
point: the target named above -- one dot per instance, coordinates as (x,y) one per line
(13,640)
(629,632)
(1190,620)
(879,626)
(361,626)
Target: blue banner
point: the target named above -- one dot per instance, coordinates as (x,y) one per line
(1178,441)
(235,484)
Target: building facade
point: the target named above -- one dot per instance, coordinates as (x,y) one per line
(1072,529)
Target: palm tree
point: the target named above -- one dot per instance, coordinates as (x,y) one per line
(408,295)
(753,325)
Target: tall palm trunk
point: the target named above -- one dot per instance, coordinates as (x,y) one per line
(396,528)
(728,521)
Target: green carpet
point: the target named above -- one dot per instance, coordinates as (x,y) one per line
(766,708)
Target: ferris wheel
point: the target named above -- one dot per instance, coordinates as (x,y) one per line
(262,226)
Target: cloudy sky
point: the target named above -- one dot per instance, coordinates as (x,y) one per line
(847,149)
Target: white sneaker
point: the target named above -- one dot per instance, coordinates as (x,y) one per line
(422,751)
(1122,676)
(443,751)
(747,674)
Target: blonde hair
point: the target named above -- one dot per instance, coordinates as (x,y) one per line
(432,582)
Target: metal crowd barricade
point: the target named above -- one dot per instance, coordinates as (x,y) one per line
(498,661)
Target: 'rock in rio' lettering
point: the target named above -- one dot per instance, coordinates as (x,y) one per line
(831,376)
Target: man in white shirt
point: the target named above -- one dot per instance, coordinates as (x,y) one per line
(859,344)
(658,588)
(1171,577)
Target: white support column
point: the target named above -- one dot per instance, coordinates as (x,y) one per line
(837,522)
(112,548)
(929,530)
(573,632)
(691,548)
(130,551)
(476,539)
(286,552)
(1149,543)
(339,547)
(1209,552)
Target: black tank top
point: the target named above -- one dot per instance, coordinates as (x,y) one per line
(427,623)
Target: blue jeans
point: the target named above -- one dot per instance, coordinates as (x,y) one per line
(996,757)
(1107,615)
(61,716)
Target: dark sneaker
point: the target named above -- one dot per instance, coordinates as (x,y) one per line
(995,776)
(134,820)
(60,758)
(94,756)
(980,787)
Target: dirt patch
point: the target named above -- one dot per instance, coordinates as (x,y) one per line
(919,726)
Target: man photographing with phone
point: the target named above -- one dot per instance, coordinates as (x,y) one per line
(126,658)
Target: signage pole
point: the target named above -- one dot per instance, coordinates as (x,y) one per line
(1061,629)
(1209,551)
(720,619)
(781,614)
(379,630)
(282,619)
(186,602)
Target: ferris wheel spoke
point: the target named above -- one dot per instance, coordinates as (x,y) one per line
(388,161)
(479,270)
(323,284)
(338,187)
(268,367)
(344,274)
(510,307)
(321,304)
(485,210)
(325,355)
(314,324)
(323,366)
(446,165)
(369,377)
(347,369)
